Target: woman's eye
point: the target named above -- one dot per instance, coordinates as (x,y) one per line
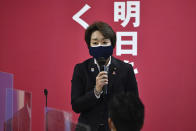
(94,43)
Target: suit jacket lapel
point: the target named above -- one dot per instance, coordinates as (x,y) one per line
(93,70)
(112,74)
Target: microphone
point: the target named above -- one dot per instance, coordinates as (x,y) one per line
(101,61)
(46,94)
(46,110)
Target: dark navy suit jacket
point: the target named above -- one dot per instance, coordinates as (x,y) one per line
(93,111)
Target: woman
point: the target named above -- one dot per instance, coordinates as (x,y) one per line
(92,88)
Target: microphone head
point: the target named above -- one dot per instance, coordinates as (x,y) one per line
(45,92)
(101,61)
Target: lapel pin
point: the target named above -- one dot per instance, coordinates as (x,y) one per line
(114,68)
(92,69)
(114,73)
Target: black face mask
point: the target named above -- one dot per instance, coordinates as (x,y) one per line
(101,51)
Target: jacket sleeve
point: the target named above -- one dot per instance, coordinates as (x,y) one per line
(131,84)
(81,101)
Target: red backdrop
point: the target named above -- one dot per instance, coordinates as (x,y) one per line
(40,43)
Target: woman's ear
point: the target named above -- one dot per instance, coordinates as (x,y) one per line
(111,124)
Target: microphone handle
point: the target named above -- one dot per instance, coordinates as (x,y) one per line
(46,101)
(105,88)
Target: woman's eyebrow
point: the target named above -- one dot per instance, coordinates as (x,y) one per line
(94,39)
(102,39)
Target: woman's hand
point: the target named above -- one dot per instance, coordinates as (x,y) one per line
(101,80)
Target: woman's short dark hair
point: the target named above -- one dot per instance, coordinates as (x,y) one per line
(104,28)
